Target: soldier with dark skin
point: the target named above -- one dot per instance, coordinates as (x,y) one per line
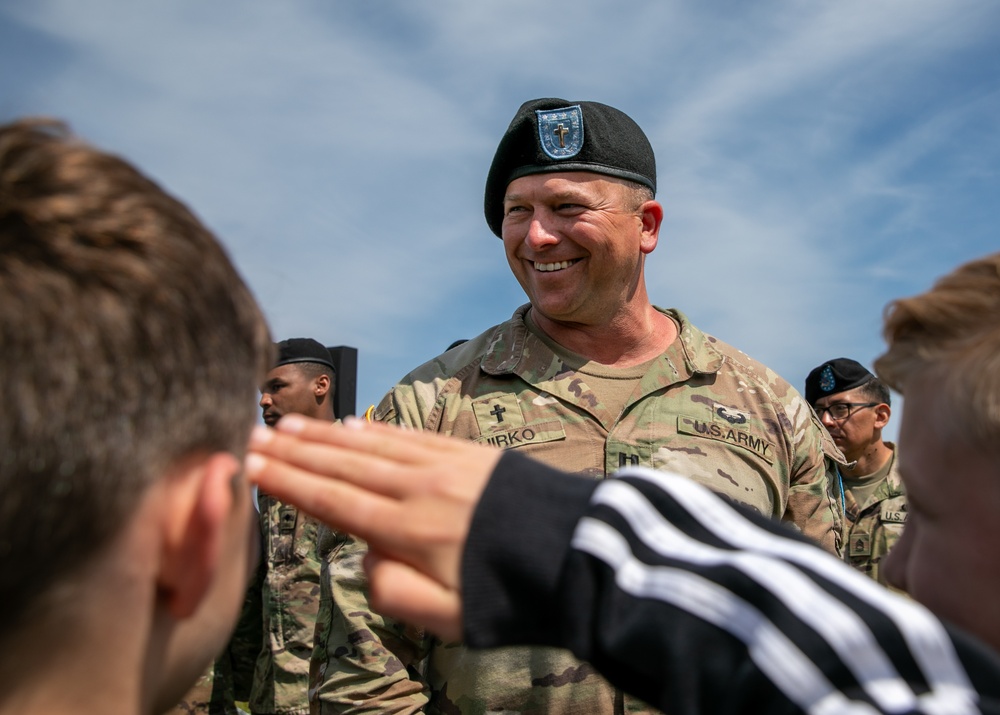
(302,382)
(854,406)
(283,598)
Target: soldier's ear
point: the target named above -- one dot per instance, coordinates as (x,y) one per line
(651,216)
(321,385)
(882,414)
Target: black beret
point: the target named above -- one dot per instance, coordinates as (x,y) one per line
(556,135)
(833,376)
(303,350)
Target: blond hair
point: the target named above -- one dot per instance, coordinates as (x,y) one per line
(951,335)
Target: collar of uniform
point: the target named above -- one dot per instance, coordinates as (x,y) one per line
(505,354)
(699,355)
(892,485)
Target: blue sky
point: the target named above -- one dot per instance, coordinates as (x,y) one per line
(816,159)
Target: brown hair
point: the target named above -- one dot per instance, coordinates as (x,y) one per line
(636,195)
(951,335)
(127,341)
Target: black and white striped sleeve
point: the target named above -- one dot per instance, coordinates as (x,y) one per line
(698,607)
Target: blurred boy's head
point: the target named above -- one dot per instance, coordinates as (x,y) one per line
(131,351)
(944,357)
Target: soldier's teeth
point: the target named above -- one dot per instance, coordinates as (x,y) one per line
(544,267)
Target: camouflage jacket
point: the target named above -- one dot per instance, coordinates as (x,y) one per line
(702,409)
(362,662)
(212,694)
(873,528)
(288,584)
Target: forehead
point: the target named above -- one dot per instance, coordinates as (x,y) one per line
(564,182)
(852,395)
(284,373)
(926,457)
(935,452)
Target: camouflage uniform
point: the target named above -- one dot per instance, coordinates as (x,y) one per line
(871,529)
(703,409)
(363,662)
(288,584)
(212,694)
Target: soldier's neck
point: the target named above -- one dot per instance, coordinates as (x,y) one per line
(623,342)
(870,460)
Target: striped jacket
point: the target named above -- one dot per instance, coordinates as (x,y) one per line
(699,607)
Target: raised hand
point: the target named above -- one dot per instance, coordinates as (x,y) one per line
(410,494)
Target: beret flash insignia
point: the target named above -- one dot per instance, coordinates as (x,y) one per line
(827,382)
(560,131)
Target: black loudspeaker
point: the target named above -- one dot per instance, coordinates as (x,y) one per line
(345,359)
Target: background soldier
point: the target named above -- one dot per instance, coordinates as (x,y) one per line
(853,405)
(284,597)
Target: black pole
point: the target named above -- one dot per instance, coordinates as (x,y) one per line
(345,359)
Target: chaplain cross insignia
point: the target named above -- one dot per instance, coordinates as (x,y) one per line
(497,412)
(561,131)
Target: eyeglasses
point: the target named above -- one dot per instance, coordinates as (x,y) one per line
(843,410)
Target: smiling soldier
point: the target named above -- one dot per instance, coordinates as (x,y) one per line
(589,376)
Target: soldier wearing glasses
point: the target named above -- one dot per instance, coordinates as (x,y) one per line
(853,405)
